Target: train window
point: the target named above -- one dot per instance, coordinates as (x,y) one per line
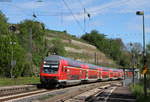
(51,68)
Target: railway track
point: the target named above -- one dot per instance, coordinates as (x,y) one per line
(108,93)
(10,97)
(103,95)
(11,90)
(89,96)
(53,95)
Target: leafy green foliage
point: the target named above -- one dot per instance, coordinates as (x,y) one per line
(58,48)
(32,39)
(22,51)
(111,47)
(25,49)
(148,56)
(135,50)
(3,24)
(11,51)
(138,91)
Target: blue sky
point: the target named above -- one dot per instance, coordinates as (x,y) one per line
(115,18)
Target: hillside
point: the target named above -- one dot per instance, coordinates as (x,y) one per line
(80,50)
(24,46)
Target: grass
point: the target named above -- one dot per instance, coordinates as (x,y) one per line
(63,35)
(71,45)
(19,81)
(137,90)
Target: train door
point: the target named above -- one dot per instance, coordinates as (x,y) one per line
(63,72)
(99,73)
(83,74)
(110,74)
(105,74)
(87,74)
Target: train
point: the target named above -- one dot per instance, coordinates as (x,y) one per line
(61,71)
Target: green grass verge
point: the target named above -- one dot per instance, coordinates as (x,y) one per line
(137,90)
(19,81)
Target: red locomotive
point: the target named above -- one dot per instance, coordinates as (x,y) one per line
(57,70)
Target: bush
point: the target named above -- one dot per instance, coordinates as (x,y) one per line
(137,90)
(58,48)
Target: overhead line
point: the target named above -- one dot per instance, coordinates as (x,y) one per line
(122,2)
(84,11)
(64,13)
(85,14)
(72,14)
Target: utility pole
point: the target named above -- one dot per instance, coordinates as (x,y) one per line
(12,62)
(144,55)
(30,49)
(95,58)
(133,64)
(30,43)
(141,13)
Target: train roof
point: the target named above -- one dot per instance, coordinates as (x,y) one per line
(54,58)
(74,63)
(70,61)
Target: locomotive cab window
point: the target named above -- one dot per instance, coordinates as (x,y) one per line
(50,68)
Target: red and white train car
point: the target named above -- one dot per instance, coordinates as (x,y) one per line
(57,70)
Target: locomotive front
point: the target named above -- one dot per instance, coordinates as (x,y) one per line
(49,72)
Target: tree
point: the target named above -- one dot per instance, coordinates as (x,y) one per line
(9,50)
(135,50)
(113,48)
(3,25)
(148,55)
(57,48)
(96,39)
(32,39)
(20,51)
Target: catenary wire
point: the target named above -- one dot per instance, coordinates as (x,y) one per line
(73,15)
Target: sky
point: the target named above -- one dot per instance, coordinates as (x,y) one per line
(114,18)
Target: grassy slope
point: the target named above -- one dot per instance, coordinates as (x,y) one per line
(51,34)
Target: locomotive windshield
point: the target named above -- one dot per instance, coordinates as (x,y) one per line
(50,68)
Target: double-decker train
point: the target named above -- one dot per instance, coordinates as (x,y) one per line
(61,71)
